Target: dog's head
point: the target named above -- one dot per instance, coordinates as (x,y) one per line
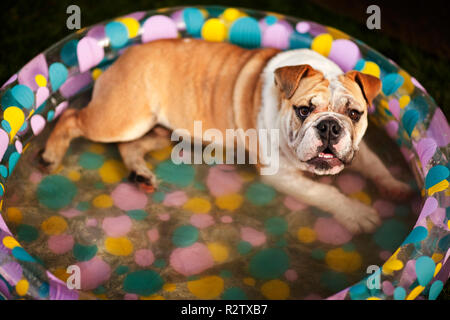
(323,121)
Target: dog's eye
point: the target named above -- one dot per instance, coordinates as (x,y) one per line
(302,112)
(355,115)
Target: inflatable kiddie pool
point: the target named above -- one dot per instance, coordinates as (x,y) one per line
(212,231)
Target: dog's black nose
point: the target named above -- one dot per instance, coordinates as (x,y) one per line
(329,130)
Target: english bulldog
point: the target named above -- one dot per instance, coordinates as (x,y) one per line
(320,112)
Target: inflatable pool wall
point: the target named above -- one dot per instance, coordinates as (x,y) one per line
(37,94)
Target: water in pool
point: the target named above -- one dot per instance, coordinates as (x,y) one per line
(208,232)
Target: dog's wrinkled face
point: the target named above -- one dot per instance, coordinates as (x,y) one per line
(323,120)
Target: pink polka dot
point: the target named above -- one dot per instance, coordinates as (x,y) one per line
(144,257)
(131,296)
(350,183)
(91,222)
(223,179)
(226,219)
(302,27)
(201,221)
(291,275)
(153,235)
(164,216)
(191,260)
(70,213)
(294,204)
(388,288)
(35,177)
(60,244)
(330,231)
(117,226)
(175,199)
(128,197)
(255,237)
(93,273)
(384,208)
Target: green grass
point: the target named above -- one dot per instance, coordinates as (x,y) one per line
(30,27)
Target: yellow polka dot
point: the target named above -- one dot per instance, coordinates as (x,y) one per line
(14,215)
(437,269)
(74,175)
(97,148)
(407,85)
(392,265)
(231,14)
(112,171)
(40,80)
(214,30)
(414,293)
(229,202)
(437,257)
(54,225)
(149,165)
(249,281)
(61,274)
(306,235)
(119,246)
(438,187)
(153,297)
(132,26)
(371,68)
(208,287)
(101,296)
(96,73)
(161,154)
(197,205)
(169,287)
(102,201)
(404,101)
(322,44)
(362,196)
(22,287)
(275,290)
(218,251)
(340,260)
(373,298)
(10,242)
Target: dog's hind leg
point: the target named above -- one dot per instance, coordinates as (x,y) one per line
(66,129)
(133,153)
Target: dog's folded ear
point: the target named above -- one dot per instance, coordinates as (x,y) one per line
(288,78)
(370,85)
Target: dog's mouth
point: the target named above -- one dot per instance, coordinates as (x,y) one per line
(325,159)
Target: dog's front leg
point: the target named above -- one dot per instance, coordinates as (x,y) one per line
(369,165)
(352,214)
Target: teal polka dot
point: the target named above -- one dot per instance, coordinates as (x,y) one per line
(260,194)
(83,206)
(199,186)
(244,247)
(334,281)
(234,293)
(50,115)
(23,95)
(402,211)
(359,292)
(318,254)
(281,243)
(435,289)
(68,53)
(20,254)
(409,121)
(245,32)
(399,293)
(144,282)
(91,161)
(193,18)
(84,253)
(180,175)
(58,75)
(117,33)
(391,234)
(425,267)
(27,233)
(56,192)
(158,196)
(359,65)
(348,247)
(225,274)
(159,263)
(185,236)
(391,83)
(270,20)
(99,290)
(137,214)
(269,263)
(120,270)
(276,226)
(99,185)
(43,290)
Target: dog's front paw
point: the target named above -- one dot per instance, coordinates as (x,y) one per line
(394,189)
(357,217)
(44,163)
(146,182)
